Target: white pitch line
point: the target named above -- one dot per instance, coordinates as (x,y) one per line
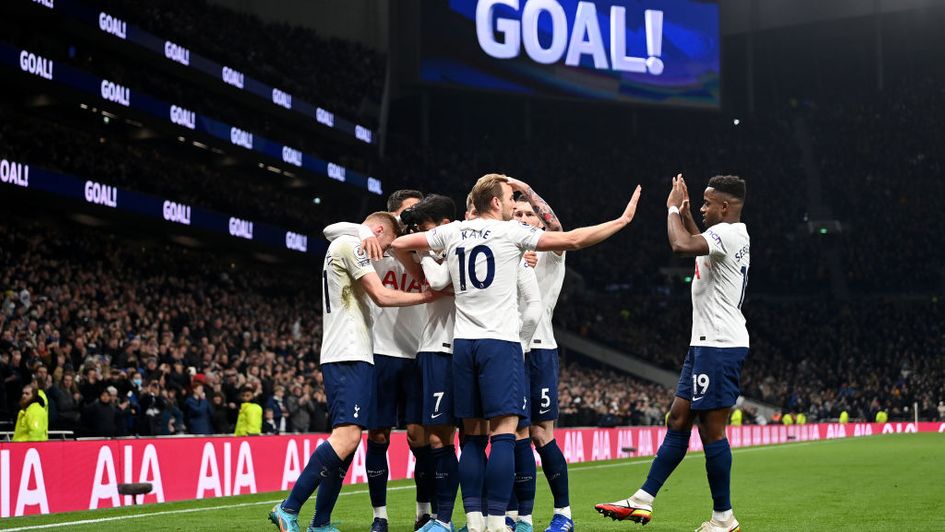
(173,512)
(361,492)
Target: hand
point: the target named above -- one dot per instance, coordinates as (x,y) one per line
(677,194)
(372,248)
(531,258)
(631,209)
(518,185)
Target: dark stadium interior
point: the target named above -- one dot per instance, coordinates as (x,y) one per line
(843,154)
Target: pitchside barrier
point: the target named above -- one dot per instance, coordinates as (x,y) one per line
(63,476)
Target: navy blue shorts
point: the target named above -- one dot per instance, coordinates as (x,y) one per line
(526,420)
(349,387)
(542,370)
(488,379)
(396,392)
(436,374)
(710,376)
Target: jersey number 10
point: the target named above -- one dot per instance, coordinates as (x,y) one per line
(473,276)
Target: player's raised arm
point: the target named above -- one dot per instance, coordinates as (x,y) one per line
(369,241)
(685,210)
(539,205)
(681,238)
(583,237)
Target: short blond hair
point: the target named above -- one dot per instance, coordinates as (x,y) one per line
(489,186)
(387,219)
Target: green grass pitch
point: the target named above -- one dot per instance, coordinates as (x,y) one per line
(889,482)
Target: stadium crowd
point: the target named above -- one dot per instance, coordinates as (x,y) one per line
(148,168)
(127,339)
(337,74)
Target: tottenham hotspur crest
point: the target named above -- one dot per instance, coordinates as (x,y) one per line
(356,410)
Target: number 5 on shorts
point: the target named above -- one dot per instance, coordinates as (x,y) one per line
(700,380)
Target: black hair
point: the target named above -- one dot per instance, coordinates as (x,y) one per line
(435,207)
(729,184)
(397,198)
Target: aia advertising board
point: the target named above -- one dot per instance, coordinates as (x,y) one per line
(51,477)
(644,51)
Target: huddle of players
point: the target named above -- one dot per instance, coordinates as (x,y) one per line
(468,362)
(481,362)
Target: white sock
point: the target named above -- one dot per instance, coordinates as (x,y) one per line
(495,523)
(722,517)
(642,496)
(525,518)
(475,522)
(380,511)
(566,511)
(513,514)
(424,508)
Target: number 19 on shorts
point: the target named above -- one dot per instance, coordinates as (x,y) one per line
(700,381)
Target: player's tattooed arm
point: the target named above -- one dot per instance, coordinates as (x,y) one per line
(541,207)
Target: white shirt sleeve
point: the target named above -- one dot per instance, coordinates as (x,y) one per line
(439,237)
(437,273)
(716,236)
(524,236)
(335,230)
(530,311)
(355,260)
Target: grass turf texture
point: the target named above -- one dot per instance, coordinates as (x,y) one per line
(888,482)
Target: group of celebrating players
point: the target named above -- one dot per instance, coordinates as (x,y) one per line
(451,326)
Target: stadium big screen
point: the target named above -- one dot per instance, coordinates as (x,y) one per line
(642,51)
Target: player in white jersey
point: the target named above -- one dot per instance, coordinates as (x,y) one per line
(349,285)
(435,361)
(483,257)
(396,335)
(541,372)
(709,383)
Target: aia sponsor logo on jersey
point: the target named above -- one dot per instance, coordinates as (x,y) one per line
(401,283)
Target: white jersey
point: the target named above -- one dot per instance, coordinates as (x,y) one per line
(718,288)
(437,335)
(397,329)
(483,256)
(346,307)
(550,271)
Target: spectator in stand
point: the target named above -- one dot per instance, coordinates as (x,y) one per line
(218,415)
(67,399)
(100,417)
(277,404)
(301,408)
(198,413)
(250,414)
(32,422)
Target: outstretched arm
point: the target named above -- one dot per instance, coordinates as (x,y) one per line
(415,241)
(583,237)
(541,207)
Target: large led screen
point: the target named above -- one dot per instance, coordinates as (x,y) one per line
(647,51)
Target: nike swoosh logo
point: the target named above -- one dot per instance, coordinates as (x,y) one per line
(694,399)
(436,416)
(544,411)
